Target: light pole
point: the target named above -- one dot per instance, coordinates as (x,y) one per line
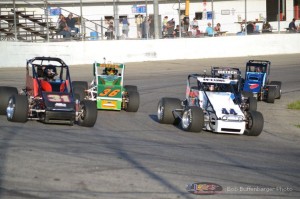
(179,1)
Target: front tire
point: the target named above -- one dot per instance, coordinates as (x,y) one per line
(252,104)
(165,109)
(17,108)
(271,94)
(133,101)
(255,123)
(88,113)
(193,119)
(5,93)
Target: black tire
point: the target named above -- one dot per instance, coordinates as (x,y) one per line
(165,110)
(129,88)
(133,101)
(255,123)
(247,94)
(192,119)
(271,94)
(88,116)
(17,108)
(79,92)
(252,104)
(278,89)
(5,93)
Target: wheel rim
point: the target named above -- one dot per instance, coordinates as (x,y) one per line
(250,121)
(186,119)
(160,112)
(10,110)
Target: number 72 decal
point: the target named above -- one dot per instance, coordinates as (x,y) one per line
(109,92)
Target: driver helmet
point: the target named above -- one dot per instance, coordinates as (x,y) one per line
(211,87)
(50,72)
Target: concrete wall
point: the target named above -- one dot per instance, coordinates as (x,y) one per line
(15,54)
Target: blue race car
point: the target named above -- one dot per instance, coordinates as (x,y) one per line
(257,81)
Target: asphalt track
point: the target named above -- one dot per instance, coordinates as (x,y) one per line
(131,155)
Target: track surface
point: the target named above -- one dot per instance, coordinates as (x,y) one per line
(131,155)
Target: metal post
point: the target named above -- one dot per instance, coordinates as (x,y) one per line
(156,21)
(47,24)
(101,23)
(15,21)
(278,17)
(245,17)
(116,20)
(81,20)
(179,19)
(147,25)
(212,17)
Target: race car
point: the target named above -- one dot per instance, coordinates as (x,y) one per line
(246,100)
(257,81)
(107,88)
(47,97)
(211,105)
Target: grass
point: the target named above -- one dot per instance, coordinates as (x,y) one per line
(294,105)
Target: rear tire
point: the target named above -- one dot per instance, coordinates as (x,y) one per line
(278,89)
(79,88)
(5,93)
(255,123)
(129,88)
(89,113)
(193,119)
(165,110)
(17,108)
(133,101)
(271,94)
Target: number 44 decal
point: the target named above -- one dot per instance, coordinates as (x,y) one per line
(231,111)
(109,92)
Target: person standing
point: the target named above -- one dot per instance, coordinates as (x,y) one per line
(138,22)
(125,27)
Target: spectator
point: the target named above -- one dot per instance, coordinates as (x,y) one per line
(218,27)
(250,28)
(71,23)
(209,30)
(198,32)
(110,31)
(138,22)
(292,26)
(267,27)
(176,31)
(125,27)
(63,28)
(170,27)
(193,23)
(186,23)
(165,23)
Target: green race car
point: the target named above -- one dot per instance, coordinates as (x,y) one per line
(108,89)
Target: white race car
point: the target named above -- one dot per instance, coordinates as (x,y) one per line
(211,105)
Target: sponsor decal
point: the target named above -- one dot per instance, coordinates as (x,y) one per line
(253,86)
(204,188)
(60,105)
(227,72)
(108,104)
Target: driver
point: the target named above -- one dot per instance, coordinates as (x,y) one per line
(110,71)
(50,73)
(211,87)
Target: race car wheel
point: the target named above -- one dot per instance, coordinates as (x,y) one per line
(278,89)
(255,123)
(79,88)
(87,114)
(130,88)
(252,104)
(192,119)
(133,101)
(17,108)
(247,94)
(5,93)
(271,94)
(165,109)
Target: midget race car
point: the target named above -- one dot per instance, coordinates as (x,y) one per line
(257,81)
(107,88)
(211,105)
(47,97)
(245,99)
